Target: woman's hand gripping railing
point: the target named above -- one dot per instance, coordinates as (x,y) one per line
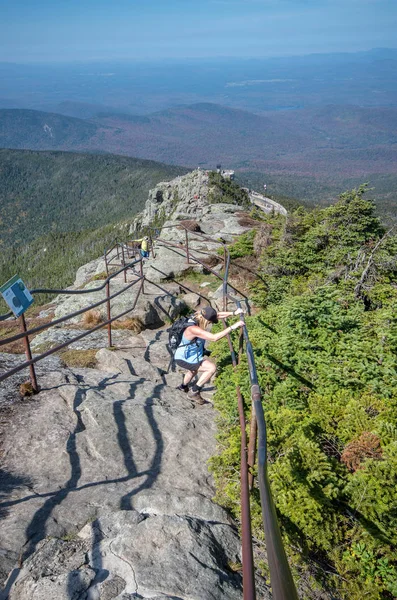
(282,583)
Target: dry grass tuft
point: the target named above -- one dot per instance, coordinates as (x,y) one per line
(79,358)
(191,225)
(133,324)
(26,389)
(92,317)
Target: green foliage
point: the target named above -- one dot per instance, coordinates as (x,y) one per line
(326,365)
(226,191)
(52,261)
(243,246)
(62,192)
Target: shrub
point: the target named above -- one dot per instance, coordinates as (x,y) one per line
(326,365)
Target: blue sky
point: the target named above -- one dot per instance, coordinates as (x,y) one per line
(70,30)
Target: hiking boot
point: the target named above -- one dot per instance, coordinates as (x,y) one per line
(183,388)
(196,396)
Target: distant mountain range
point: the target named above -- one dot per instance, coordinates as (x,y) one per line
(339,141)
(360,78)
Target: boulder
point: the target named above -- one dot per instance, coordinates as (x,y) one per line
(86,272)
(192,300)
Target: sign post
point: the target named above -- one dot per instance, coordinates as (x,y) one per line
(18,298)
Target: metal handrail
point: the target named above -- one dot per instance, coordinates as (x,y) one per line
(174,246)
(65,344)
(25,332)
(283,586)
(72,292)
(76,313)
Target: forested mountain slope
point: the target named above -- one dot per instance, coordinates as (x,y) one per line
(49,192)
(301,153)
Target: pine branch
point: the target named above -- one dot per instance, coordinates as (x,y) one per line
(357,289)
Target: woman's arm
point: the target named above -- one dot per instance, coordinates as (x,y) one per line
(196,332)
(224,314)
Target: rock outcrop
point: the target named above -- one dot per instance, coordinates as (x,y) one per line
(186,198)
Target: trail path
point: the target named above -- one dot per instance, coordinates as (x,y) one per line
(114,462)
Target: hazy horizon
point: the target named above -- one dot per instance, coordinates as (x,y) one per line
(200,59)
(130,30)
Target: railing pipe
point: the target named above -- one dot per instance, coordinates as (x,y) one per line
(125,270)
(142,276)
(282,583)
(75,339)
(28,353)
(108,314)
(252,447)
(187,246)
(106,263)
(69,316)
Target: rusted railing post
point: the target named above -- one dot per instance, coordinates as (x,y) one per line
(141,269)
(106,263)
(249,592)
(151,246)
(125,271)
(108,313)
(224,306)
(187,247)
(252,447)
(28,354)
(118,250)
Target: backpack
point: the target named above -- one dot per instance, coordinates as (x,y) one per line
(175,332)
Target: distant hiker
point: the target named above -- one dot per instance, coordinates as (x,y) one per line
(190,353)
(144,246)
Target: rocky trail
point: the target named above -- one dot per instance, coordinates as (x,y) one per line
(115,488)
(105,491)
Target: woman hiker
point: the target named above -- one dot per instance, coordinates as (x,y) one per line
(190,353)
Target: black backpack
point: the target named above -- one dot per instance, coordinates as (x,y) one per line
(175,332)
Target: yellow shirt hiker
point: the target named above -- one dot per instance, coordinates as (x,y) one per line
(144,242)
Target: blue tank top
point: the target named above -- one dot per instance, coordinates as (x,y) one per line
(191,351)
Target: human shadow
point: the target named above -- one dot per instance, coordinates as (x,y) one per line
(155,466)
(122,431)
(36,530)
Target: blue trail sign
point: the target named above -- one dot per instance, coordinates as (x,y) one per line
(17,296)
